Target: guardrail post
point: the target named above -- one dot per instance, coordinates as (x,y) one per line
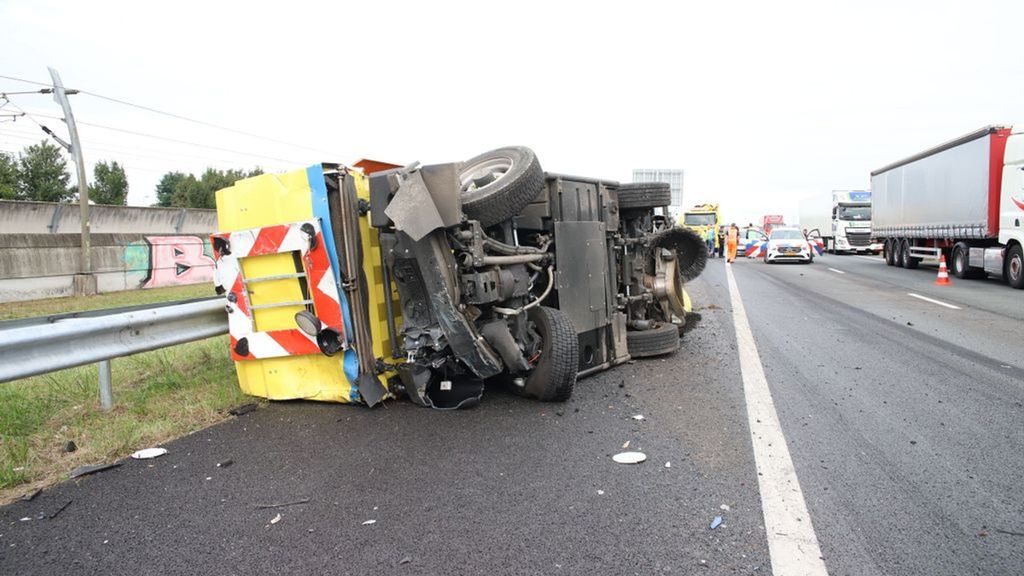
(106,394)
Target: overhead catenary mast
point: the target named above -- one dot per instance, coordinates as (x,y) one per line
(85,280)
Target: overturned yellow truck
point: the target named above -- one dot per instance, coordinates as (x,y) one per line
(362,283)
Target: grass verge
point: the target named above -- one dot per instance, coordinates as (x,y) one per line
(158,396)
(13,310)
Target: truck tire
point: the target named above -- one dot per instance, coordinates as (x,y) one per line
(654,342)
(906,260)
(1014,265)
(644,195)
(890,257)
(555,375)
(959,258)
(497,185)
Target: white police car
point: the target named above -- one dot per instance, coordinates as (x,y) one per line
(788,244)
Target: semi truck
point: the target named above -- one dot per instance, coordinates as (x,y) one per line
(842,221)
(963,199)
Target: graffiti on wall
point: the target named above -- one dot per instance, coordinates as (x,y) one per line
(169,261)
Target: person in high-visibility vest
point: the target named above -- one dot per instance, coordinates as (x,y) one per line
(732,238)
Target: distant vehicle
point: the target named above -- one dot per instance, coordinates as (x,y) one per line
(702,217)
(770,221)
(753,242)
(842,221)
(963,199)
(787,244)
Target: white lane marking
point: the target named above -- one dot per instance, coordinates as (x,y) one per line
(872,258)
(837,271)
(933,301)
(792,544)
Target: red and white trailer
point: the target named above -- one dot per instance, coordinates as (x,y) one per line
(963,199)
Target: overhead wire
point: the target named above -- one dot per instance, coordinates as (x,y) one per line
(181,117)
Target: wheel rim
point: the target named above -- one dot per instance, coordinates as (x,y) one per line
(484,173)
(1015,268)
(958,262)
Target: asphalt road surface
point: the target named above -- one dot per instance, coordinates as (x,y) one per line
(902,420)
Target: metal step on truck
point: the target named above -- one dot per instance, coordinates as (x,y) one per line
(362,283)
(963,199)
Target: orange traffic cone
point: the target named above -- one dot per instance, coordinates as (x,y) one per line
(943,279)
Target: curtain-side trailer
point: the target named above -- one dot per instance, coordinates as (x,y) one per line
(963,199)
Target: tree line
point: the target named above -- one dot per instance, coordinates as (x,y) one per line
(40,172)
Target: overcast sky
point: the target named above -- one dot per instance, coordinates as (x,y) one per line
(761,103)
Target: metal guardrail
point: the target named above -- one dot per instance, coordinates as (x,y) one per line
(46,344)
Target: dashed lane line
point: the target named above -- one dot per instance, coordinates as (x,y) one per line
(933,301)
(792,543)
(837,271)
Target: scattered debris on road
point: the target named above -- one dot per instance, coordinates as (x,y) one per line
(626,445)
(243,409)
(725,507)
(629,457)
(600,492)
(1009,532)
(225,463)
(282,504)
(368,522)
(61,509)
(275,519)
(668,464)
(716,522)
(405,560)
(639,418)
(92,469)
(147,453)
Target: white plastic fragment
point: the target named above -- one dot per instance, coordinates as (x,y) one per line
(275,519)
(148,453)
(724,507)
(668,464)
(600,492)
(368,522)
(626,445)
(639,417)
(629,457)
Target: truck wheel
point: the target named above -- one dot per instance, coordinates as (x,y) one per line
(555,375)
(890,257)
(1014,266)
(644,195)
(958,262)
(497,185)
(654,342)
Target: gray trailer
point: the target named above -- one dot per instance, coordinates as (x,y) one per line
(962,200)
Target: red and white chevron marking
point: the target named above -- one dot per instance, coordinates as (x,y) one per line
(316,264)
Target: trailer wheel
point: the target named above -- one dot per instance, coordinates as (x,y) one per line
(497,185)
(1015,266)
(644,195)
(555,375)
(906,260)
(653,342)
(890,257)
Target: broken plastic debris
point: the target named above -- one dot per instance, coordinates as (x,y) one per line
(716,522)
(668,464)
(600,492)
(275,519)
(639,417)
(92,468)
(148,453)
(724,507)
(243,409)
(629,457)
(368,522)
(626,445)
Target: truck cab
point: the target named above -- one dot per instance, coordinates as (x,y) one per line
(702,217)
(851,222)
